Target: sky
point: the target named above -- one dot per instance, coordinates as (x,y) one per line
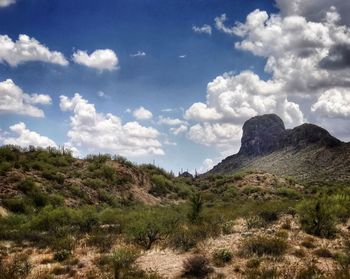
(169,81)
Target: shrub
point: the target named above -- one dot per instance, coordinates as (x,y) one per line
(288,193)
(261,245)
(196,207)
(323,253)
(16,268)
(161,185)
(255,222)
(62,255)
(263,273)
(196,266)
(227,227)
(299,253)
(309,272)
(308,243)
(18,205)
(5,167)
(27,186)
(121,261)
(316,218)
(101,240)
(222,257)
(253,263)
(149,226)
(248,190)
(269,215)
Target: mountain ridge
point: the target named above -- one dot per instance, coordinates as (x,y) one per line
(306,152)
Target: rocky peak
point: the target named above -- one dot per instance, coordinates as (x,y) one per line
(266,133)
(262,135)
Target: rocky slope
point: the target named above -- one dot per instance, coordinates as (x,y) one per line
(307,152)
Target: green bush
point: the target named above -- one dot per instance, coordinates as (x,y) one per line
(222,257)
(253,263)
(149,226)
(161,185)
(101,240)
(288,193)
(196,203)
(261,245)
(18,205)
(121,261)
(5,167)
(248,190)
(317,218)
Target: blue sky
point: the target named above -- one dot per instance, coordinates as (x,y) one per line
(174,72)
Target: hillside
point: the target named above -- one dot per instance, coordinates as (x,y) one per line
(105,217)
(33,178)
(307,153)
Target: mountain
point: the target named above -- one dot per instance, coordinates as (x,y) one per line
(306,153)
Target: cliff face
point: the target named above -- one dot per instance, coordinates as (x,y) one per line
(307,152)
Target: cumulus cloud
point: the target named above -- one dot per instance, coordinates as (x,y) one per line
(170,121)
(207,165)
(307,56)
(314,10)
(27,49)
(179,130)
(14,100)
(98,132)
(235,98)
(25,137)
(220,25)
(307,50)
(138,54)
(334,103)
(142,114)
(5,3)
(223,135)
(205,29)
(100,59)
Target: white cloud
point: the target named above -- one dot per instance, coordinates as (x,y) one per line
(171,143)
(170,121)
(14,100)
(5,3)
(142,114)
(178,130)
(334,103)
(220,25)
(138,54)
(206,29)
(25,137)
(236,98)
(307,52)
(27,49)
(182,56)
(222,135)
(98,132)
(314,10)
(207,165)
(100,59)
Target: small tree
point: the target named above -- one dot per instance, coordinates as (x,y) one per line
(316,218)
(196,207)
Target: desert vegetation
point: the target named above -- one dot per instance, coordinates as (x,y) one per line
(105,217)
